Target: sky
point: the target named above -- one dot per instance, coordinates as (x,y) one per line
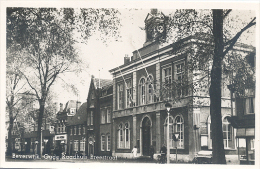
(100,57)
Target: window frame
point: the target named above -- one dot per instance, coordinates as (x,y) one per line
(180,92)
(91,117)
(249,104)
(108,141)
(103,142)
(142,89)
(108,114)
(127,135)
(82,145)
(103,116)
(120,97)
(128,97)
(79,130)
(150,87)
(76,145)
(227,133)
(75,130)
(181,131)
(120,136)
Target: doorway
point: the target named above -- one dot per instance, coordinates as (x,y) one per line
(146,135)
(90,146)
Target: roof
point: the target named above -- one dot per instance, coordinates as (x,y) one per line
(104,83)
(80,117)
(71,104)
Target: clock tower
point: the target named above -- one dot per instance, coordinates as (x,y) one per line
(155,26)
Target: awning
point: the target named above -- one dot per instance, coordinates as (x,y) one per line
(242,122)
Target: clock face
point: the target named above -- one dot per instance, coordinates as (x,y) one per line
(160,29)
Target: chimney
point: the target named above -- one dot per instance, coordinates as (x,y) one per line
(126,59)
(154,11)
(61,107)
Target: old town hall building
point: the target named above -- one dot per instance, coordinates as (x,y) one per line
(141,88)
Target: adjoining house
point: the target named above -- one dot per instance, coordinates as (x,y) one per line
(61,132)
(97,102)
(243,119)
(106,102)
(76,129)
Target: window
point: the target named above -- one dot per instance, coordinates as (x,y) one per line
(71,131)
(108,115)
(167,75)
(88,118)
(179,77)
(150,88)
(179,128)
(142,91)
(167,81)
(84,130)
(171,131)
(252,142)
(103,116)
(120,96)
(61,127)
(103,141)
(75,130)
(227,133)
(91,117)
(76,145)
(72,111)
(120,136)
(79,129)
(127,136)
(82,145)
(58,128)
(249,105)
(108,142)
(128,94)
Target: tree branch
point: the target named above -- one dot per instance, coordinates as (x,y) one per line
(235,38)
(228,11)
(37,95)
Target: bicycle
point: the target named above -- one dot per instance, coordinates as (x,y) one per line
(162,158)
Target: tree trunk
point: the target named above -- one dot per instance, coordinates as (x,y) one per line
(215,90)
(42,105)
(10,128)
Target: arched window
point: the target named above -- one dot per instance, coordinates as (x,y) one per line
(127,136)
(227,133)
(120,136)
(150,89)
(171,131)
(142,91)
(108,142)
(179,128)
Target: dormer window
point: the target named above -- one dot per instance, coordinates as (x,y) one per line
(72,111)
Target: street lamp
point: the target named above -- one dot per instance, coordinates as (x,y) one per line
(168,108)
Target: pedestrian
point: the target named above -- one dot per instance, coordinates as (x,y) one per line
(134,151)
(151,152)
(163,152)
